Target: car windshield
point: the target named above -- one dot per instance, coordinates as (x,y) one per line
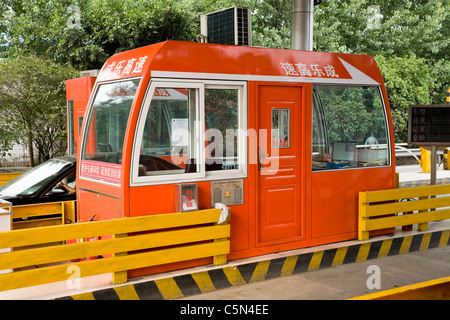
(33,180)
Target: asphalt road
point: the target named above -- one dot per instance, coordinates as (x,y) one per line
(344,281)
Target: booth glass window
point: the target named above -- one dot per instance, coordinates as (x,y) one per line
(349,128)
(170,133)
(280,128)
(222,129)
(107,122)
(190,130)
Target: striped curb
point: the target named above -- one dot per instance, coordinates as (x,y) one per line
(206,281)
(411,184)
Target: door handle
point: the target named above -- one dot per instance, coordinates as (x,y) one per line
(260,157)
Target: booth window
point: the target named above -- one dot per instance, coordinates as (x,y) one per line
(188,131)
(170,135)
(349,128)
(280,128)
(222,129)
(107,122)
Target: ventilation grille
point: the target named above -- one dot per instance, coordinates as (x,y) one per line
(89,73)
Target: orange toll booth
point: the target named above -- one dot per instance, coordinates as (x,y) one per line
(78,92)
(286,139)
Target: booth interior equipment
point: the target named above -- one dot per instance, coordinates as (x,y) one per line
(285,138)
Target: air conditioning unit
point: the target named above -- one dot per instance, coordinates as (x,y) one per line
(228,26)
(89,73)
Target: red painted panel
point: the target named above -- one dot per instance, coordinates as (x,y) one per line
(335,198)
(281,214)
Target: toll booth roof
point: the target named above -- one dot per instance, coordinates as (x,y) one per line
(227,62)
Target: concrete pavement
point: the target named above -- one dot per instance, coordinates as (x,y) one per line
(412,175)
(344,281)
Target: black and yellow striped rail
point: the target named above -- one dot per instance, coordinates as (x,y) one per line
(220,278)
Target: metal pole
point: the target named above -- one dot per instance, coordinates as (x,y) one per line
(302,16)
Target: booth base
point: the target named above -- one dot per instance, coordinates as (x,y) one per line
(189,282)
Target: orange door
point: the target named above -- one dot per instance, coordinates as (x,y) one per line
(281,214)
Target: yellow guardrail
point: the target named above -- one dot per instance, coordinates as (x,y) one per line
(381,209)
(42,214)
(191,235)
(7,176)
(438,289)
(425,162)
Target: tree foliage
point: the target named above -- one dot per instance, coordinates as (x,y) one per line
(408,81)
(32,104)
(271,23)
(85,33)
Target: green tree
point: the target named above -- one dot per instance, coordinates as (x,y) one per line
(415,28)
(408,82)
(32,103)
(101,29)
(271,23)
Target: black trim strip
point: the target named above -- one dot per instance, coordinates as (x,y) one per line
(101,193)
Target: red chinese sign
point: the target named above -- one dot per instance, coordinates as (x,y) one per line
(100,170)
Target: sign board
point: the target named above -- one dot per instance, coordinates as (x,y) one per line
(228,192)
(186,197)
(429,125)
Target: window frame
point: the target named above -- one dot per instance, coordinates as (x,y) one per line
(280,121)
(202,175)
(241,172)
(85,133)
(323,123)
